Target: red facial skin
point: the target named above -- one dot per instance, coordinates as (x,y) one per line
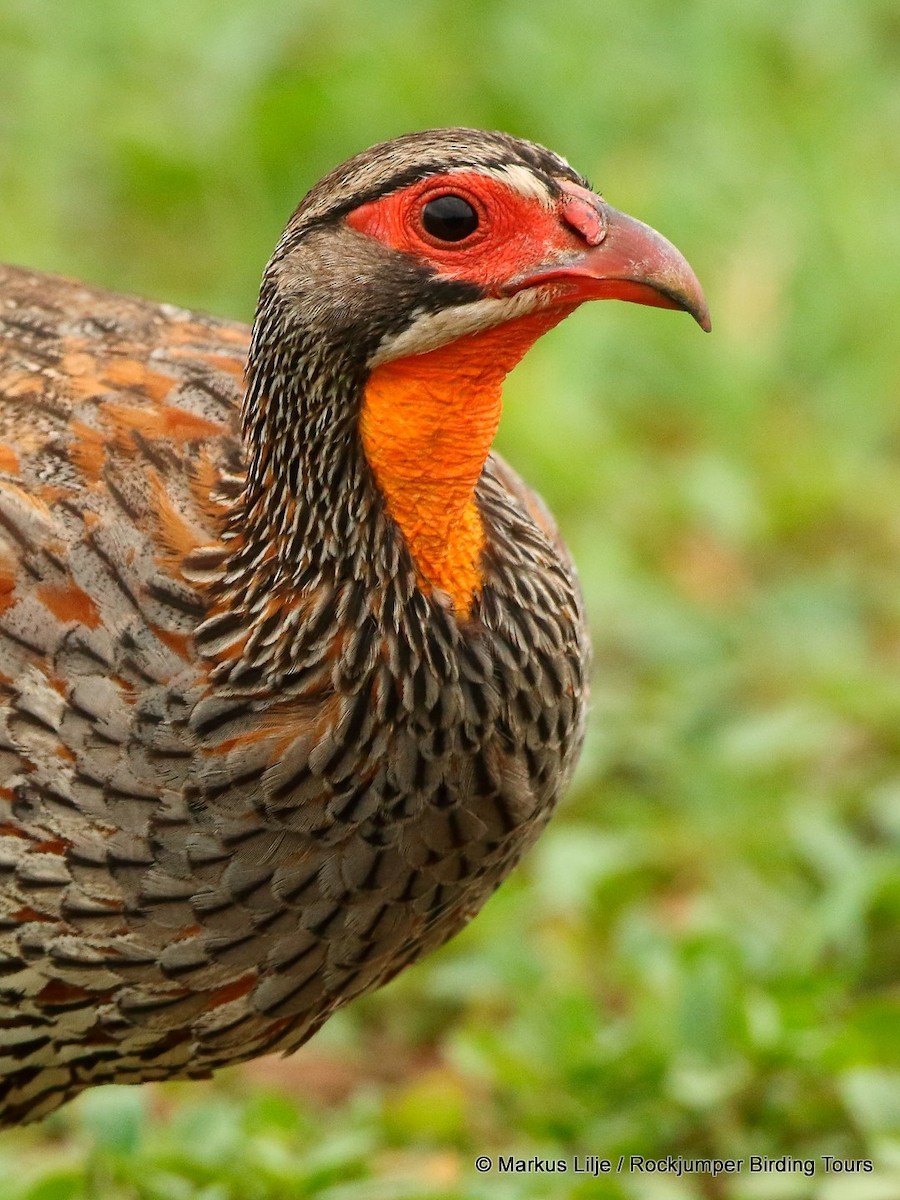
(514,231)
(576,242)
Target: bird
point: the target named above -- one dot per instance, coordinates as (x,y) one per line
(293,666)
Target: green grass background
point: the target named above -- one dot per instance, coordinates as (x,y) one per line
(701,956)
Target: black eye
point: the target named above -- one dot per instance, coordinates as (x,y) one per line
(449,218)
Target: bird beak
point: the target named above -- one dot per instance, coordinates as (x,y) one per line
(625,260)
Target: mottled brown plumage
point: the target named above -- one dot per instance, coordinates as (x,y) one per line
(254,760)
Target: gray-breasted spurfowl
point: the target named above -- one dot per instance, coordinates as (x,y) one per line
(288,684)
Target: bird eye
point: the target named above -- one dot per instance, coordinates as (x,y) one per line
(449,218)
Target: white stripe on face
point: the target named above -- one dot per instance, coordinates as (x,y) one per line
(523,181)
(429,331)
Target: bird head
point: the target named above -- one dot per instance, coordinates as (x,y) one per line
(437,235)
(407,284)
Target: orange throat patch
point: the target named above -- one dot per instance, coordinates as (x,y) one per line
(427,425)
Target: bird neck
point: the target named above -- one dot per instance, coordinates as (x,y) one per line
(427,424)
(328,443)
(305,472)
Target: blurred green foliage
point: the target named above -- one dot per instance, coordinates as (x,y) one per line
(701,957)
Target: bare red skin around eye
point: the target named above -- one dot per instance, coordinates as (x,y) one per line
(514,233)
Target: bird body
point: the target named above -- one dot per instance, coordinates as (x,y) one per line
(292,677)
